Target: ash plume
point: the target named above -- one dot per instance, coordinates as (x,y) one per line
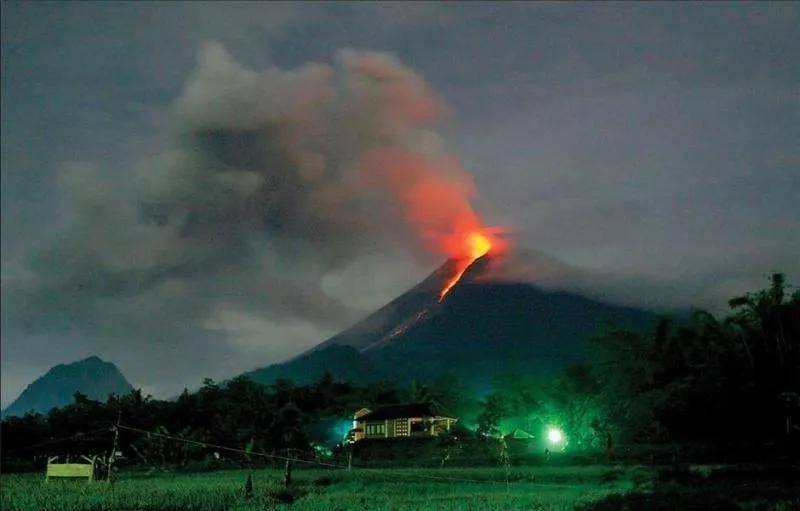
(275,182)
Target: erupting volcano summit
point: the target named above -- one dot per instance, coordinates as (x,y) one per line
(461,321)
(477,245)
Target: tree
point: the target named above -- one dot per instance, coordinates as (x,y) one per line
(572,401)
(738,373)
(494,409)
(419,392)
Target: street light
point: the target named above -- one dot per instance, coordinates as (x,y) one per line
(555,436)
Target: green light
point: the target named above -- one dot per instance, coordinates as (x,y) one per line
(555,435)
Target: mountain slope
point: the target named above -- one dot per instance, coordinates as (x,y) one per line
(344,362)
(482,328)
(91,376)
(384,323)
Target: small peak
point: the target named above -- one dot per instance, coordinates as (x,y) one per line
(94,359)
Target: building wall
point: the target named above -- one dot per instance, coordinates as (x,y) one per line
(375,429)
(358,424)
(402,427)
(406,427)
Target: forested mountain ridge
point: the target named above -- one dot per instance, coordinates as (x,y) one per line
(91,376)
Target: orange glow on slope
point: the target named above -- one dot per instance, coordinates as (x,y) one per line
(477,244)
(433,193)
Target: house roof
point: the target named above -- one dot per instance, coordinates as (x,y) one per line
(402,411)
(519,433)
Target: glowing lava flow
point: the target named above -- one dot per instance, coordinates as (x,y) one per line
(477,244)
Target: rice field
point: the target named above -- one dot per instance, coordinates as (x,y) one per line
(380,489)
(595,487)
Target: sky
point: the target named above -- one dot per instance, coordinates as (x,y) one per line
(183,188)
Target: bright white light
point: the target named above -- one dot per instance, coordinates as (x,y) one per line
(554,435)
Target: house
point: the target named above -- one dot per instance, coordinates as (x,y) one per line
(401,420)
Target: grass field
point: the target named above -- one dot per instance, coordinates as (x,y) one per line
(569,487)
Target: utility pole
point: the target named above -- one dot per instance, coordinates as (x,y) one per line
(114,445)
(287,473)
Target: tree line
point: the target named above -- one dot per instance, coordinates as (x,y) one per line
(696,379)
(240,414)
(690,379)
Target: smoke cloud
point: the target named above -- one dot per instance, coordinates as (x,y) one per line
(277,182)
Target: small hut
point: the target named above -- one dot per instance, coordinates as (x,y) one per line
(71,470)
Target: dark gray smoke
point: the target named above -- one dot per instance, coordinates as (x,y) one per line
(247,230)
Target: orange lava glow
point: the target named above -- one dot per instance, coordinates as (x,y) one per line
(434,195)
(476,244)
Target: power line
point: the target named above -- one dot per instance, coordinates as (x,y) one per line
(282,458)
(325,464)
(230,449)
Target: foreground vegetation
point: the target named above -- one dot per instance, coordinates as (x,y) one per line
(557,488)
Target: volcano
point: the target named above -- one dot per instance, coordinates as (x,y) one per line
(480,329)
